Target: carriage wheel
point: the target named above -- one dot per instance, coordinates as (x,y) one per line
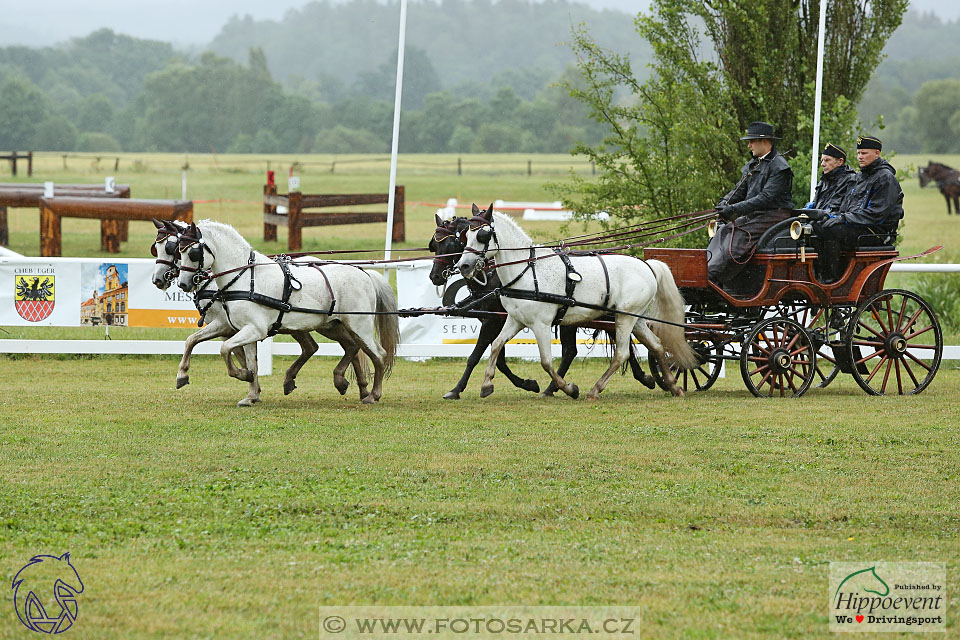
(778,359)
(824,325)
(894,343)
(699,379)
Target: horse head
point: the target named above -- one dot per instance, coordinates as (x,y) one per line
(924,176)
(46,576)
(477,249)
(447,244)
(192,250)
(164,249)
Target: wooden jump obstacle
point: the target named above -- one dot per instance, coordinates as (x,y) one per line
(28,195)
(111,214)
(13,156)
(296,217)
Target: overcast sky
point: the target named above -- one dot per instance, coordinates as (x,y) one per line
(196,22)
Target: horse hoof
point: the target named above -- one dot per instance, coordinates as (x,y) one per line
(451,395)
(574,391)
(182,382)
(246,402)
(486,390)
(289,386)
(648,381)
(369,400)
(548,393)
(341,385)
(591,397)
(531,385)
(679,393)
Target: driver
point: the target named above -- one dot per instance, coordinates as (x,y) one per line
(760,200)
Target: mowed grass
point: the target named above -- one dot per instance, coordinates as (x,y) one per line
(717,515)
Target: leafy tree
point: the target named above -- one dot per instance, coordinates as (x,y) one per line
(672,146)
(97,141)
(55,133)
(22,107)
(937,103)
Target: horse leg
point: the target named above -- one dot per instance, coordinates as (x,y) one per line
(249,355)
(639,374)
(308,347)
(360,372)
(624,326)
(568,351)
(648,339)
(544,344)
(486,337)
(247,335)
(510,328)
(214,330)
(369,345)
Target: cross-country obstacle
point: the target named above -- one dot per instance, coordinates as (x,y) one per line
(13,156)
(28,195)
(111,213)
(296,217)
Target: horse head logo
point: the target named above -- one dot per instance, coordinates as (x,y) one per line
(33,586)
(866,580)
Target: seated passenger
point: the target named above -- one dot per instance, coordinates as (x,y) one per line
(761,199)
(836,182)
(874,207)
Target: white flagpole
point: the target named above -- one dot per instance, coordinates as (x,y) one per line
(391,195)
(815,159)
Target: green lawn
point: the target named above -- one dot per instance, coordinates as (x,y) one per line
(717,515)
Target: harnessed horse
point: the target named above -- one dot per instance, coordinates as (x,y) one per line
(448,242)
(212,313)
(341,301)
(537,293)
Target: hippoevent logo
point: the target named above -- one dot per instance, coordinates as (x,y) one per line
(34,296)
(45,594)
(888,596)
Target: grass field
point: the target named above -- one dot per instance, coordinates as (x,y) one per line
(717,515)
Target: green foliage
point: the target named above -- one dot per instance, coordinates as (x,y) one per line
(672,141)
(54,133)
(938,115)
(22,108)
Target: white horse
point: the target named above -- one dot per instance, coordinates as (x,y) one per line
(218,324)
(618,282)
(340,301)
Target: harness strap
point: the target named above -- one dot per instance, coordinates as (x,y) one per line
(606,279)
(571,284)
(333,300)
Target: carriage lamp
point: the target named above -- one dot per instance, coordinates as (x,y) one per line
(799,230)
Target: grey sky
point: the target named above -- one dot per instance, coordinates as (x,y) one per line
(196,22)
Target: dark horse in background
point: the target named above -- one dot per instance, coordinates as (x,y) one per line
(447,244)
(947,178)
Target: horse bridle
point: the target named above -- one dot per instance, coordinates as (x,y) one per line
(171,243)
(194,247)
(485,233)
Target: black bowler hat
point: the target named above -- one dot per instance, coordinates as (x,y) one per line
(834,151)
(760,131)
(869,142)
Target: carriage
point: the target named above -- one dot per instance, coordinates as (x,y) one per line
(789,330)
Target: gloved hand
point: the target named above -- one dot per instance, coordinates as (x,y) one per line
(725,213)
(816,214)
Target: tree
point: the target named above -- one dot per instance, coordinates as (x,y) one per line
(672,142)
(938,103)
(22,107)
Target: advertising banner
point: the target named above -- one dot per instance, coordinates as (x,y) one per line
(68,292)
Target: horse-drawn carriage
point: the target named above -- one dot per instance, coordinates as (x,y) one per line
(790,330)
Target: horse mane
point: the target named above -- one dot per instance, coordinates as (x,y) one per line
(227,230)
(502,218)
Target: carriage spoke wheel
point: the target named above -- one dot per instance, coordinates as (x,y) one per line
(894,343)
(699,379)
(778,359)
(824,325)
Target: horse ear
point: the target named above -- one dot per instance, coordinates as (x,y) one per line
(489,215)
(475,210)
(439,220)
(158,223)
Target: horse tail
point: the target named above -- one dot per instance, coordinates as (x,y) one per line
(388,326)
(670,308)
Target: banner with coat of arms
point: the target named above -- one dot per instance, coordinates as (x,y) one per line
(68,292)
